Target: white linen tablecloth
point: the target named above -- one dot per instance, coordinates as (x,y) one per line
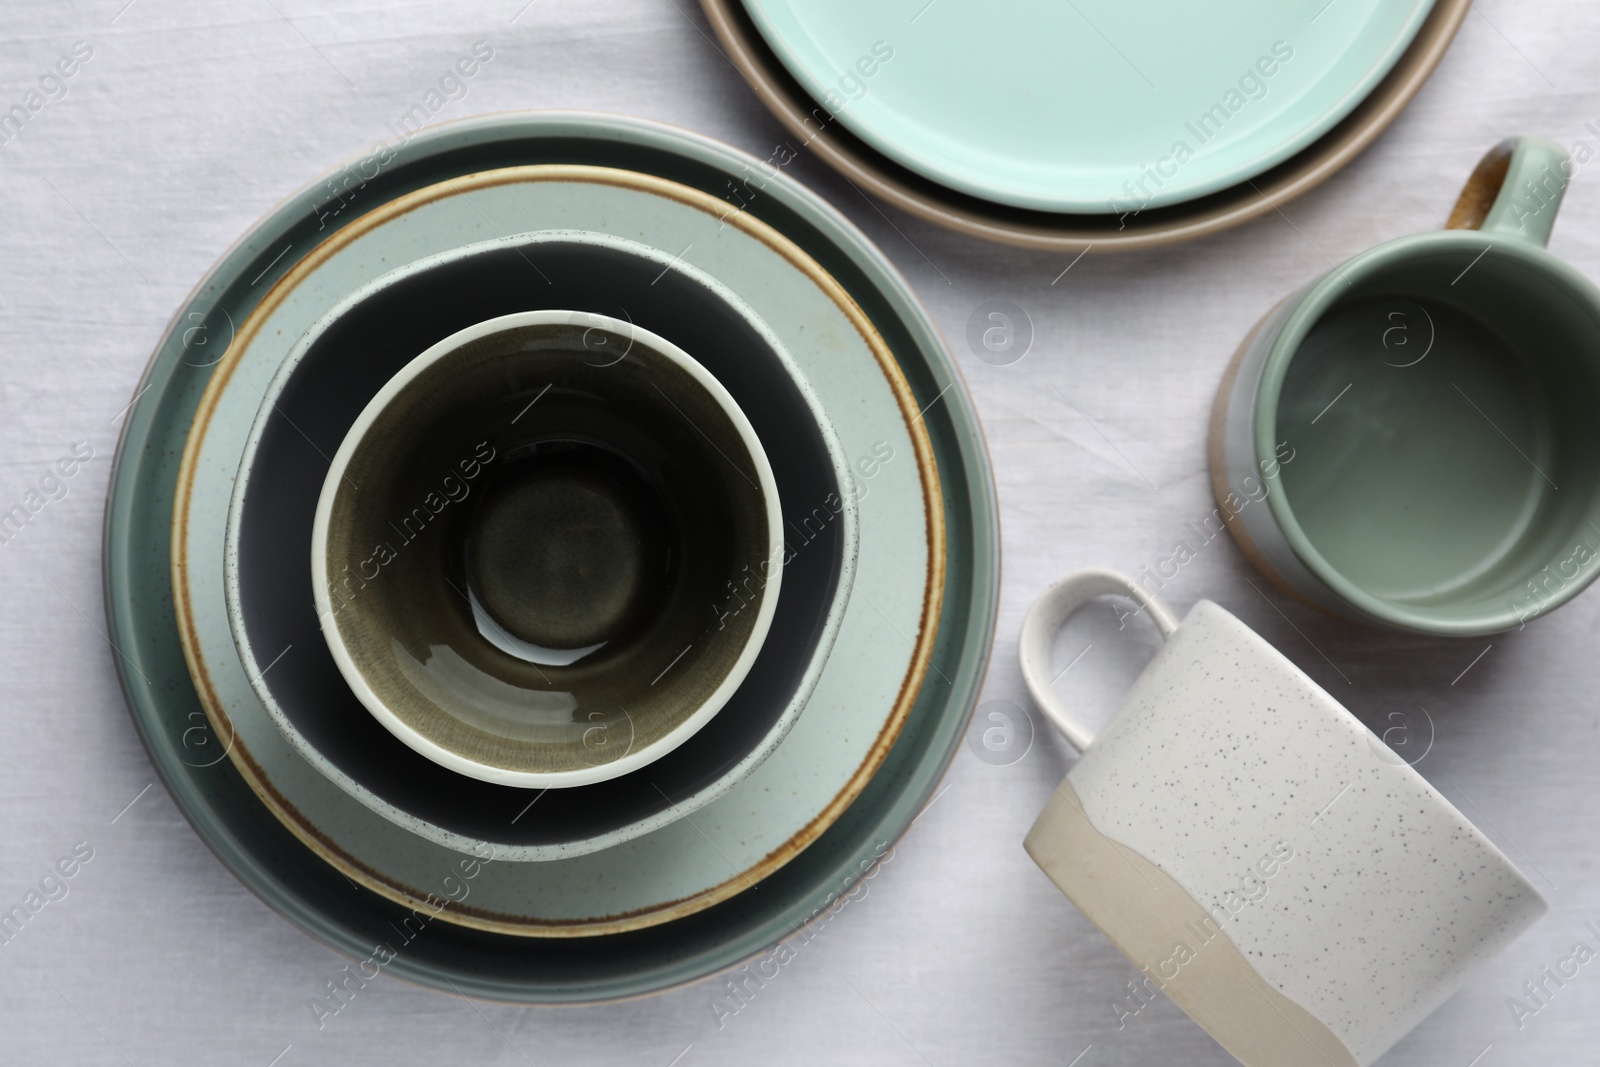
(182,122)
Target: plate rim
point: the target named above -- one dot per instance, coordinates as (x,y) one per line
(914,154)
(252,770)
(758,754)
(864,166)
(304,891)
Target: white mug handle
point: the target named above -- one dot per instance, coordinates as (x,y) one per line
(1044,621)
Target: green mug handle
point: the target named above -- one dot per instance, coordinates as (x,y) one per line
(1516,190)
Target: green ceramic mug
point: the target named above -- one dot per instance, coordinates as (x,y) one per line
(1412,439)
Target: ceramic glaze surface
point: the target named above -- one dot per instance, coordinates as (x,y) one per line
(648,878)
(1092,106)
(1349,883)
(262,850)
(360,344)
(882,177)
(1436,395)
(1404,460)
(555,631)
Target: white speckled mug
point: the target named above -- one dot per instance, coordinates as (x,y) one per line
(1241,837)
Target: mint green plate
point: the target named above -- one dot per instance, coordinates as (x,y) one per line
(287,874)
(1088,106)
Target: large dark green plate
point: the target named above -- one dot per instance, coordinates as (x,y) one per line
(251,841)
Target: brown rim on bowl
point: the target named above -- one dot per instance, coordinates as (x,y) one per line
(478,918)
(869,169)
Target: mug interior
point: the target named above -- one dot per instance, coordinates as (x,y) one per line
(526,546)
(1436,398)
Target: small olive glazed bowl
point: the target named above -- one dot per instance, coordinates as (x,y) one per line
(548,550)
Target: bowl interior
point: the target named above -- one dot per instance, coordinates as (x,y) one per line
(1439,403)
(319,402)
(518,542)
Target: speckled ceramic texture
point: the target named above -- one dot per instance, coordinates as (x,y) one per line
(1348,882)
(862,697)
(316,395)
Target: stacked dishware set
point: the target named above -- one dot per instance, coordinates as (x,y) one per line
(550,552)
(559,549)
